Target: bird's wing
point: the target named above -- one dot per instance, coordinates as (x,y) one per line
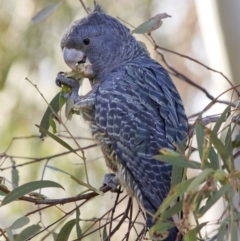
(140,110)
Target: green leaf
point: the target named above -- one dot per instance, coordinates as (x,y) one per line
(222,231)
(228,143)
(221,150)
(213,158)
(105,233)
(3,190)
(179,161)
(199,179)
(213,199)
(44,13)
(75,179)
(236,142)
(15,175)
(234,231)
(27,188)
(53,124)
(54,236)
(48,113)
(177,175)
(20,222)
(221,120)
(160,230)
(57,169)
(151,24)
(176,208)
(174,193)
(78,228)
(66,230)
(68,109)
(200,135)
(9,234)
(192,234)
(28,232)
(56,138)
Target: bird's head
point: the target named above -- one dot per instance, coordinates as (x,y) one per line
(102,40)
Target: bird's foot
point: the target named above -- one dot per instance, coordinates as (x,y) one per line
(111,181)
(73,84)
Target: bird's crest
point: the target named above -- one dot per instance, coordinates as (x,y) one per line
(97,7)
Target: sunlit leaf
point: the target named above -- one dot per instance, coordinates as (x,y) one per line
(151,24)
(44,13)
(56,138)
(66,230)
(20,222)
(27,188)
(28,232)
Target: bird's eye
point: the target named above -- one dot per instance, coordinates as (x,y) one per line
(86,41)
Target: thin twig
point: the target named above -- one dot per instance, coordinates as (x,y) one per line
(122,219)
(84,6)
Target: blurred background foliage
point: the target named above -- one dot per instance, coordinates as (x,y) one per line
(33,51)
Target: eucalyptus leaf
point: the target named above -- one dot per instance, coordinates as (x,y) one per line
(44,13)
(27,188)
(152,24)
(78,228)
(66,230)
(199,179)
(19,223)
(9,234)
(160,230)
(56,138)
(28,232)
(213,199)
(52,109)
(179,161)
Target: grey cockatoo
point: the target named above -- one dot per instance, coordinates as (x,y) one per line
(133,108)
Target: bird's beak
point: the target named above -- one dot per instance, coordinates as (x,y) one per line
(73,57)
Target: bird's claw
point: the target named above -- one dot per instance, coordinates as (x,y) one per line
(73,84)
(111,181)
(63,80)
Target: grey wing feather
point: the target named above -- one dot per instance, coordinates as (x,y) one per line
(139,109)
